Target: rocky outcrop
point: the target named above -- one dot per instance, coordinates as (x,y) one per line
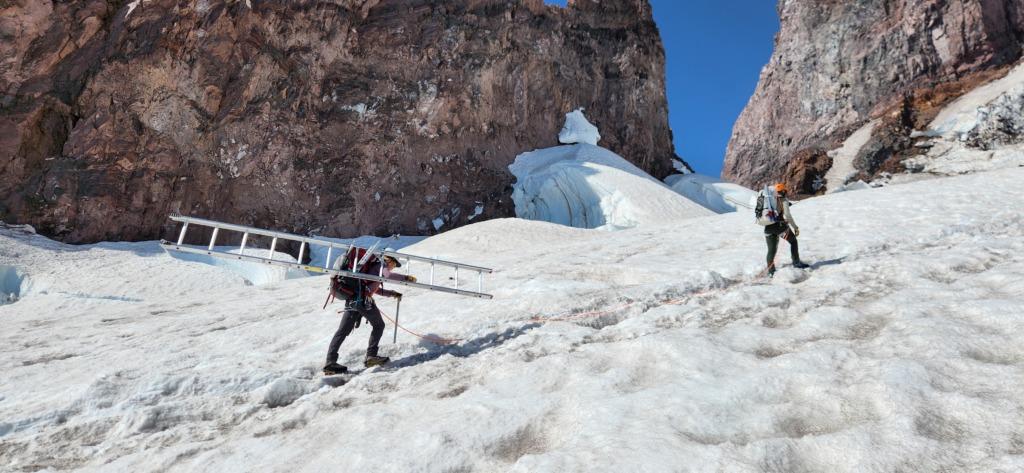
(837,65)
(342,117)
(979,131)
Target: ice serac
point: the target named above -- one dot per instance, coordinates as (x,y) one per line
(838,65)
(578,129)
(587,186)
(342,117)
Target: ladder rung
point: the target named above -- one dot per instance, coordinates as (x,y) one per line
(213,238)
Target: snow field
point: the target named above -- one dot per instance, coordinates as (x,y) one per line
(901,350)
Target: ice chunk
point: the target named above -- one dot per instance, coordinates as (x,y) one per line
(578,130)
(479,209)
(10,283)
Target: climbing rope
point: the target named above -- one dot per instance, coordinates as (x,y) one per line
(438,340)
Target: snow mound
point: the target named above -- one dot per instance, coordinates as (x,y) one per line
(587,186)
(578,129)
(257,274)
(283,392)
(11,279)
(715,194)
(494,235)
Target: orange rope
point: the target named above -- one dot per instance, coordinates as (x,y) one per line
(581,315)
(438,340)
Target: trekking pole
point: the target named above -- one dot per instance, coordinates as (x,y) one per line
(398,306)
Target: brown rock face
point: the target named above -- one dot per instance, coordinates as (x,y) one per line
(343,117)
(838,64)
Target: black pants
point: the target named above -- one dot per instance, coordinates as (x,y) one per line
(771,235)
(353,312)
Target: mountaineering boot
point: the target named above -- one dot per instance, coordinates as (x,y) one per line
(801,265)
(374,360)
(334,368)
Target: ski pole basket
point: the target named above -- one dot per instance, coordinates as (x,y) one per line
(442,276)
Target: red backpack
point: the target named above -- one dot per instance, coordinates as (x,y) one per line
(346,287)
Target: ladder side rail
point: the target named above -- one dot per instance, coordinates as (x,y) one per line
(370,277)
(363,276)
(196,221)
(441,262)
(253,230)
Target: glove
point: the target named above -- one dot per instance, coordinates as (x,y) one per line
(410,278)
(796,231)
(397,295)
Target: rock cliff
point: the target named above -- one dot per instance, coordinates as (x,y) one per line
(838,65)
(342,117)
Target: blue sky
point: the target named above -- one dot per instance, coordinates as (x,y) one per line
(714,52)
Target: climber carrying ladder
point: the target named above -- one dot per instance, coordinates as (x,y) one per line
(357,273)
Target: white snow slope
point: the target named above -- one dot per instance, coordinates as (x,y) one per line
(713,193)
(842,169)
(652,349)
(587,186)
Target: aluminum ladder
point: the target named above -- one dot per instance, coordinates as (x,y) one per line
(437,279)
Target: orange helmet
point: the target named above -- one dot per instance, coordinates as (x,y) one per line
(780,187)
